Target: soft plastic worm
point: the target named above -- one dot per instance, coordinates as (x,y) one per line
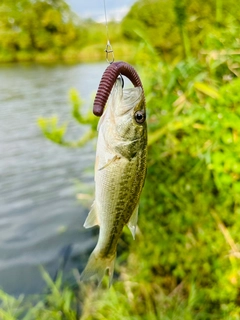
(108,79)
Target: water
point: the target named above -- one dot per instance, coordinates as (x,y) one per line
(39,212)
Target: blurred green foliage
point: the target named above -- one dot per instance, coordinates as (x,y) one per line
(58,303)
(178,28)
(185,262)
(47,30)
(43,28)
(192,189)
(55,132)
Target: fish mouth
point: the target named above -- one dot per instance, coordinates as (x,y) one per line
(109,79)
(130,99)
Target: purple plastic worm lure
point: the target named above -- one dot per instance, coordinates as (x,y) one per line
(108,79)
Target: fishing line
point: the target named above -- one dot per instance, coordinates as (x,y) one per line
(106,21)
(108,49)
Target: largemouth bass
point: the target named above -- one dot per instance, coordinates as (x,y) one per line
(120,170)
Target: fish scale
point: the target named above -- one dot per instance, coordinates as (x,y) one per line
(120,171)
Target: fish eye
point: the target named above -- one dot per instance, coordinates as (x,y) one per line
(140,116)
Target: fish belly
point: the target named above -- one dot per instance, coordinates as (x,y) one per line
(118,189)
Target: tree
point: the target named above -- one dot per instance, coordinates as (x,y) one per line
(38,26)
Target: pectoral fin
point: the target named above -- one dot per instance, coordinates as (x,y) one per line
(92,219)
(132,223)
(116,157)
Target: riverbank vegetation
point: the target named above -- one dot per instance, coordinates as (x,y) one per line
(48,31)
(185,261)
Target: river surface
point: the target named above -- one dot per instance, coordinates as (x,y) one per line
(40,216)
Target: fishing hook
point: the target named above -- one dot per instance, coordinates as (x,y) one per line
(121,78)
(107,81)
(109,53)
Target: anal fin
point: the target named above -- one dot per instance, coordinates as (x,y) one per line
(92,219)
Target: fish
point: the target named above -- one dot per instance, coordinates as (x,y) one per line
(120,170)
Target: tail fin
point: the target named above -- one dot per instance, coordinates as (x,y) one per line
(97,266)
